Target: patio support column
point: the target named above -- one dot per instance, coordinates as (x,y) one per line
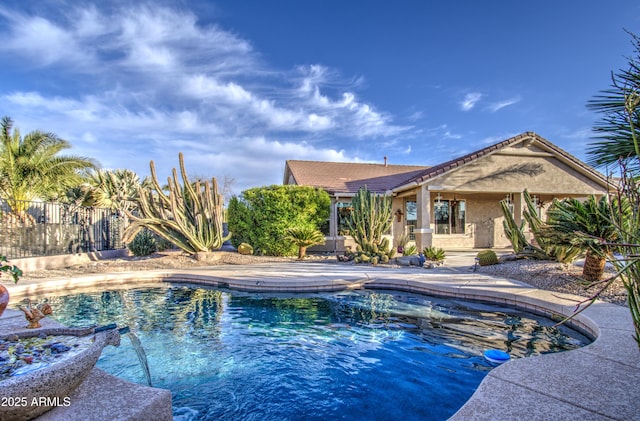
(332,238)
(423,229)
(518,202)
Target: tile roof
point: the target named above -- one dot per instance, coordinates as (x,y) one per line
(348,177)
(344,177)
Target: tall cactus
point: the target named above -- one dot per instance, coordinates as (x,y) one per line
(370,218)
(190,216)
(513,231)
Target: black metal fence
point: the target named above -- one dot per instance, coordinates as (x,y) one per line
(45,228)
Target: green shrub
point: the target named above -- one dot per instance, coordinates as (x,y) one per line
(143,244)
(163,244)
(262,215)
(11,270)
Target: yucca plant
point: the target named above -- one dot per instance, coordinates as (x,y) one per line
(304,237)
(619,127)
(619,142)
(628,225)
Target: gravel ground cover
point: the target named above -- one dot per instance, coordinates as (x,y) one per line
(555,276)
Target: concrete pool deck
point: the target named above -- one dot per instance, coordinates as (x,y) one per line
(596,382)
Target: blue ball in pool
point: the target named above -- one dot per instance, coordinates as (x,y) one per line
(495,356)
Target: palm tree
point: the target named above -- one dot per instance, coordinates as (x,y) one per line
(304,237)
(587,225)
(620,121)
(620,143)
(31,168)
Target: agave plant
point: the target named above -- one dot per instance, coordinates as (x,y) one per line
(304,237)
(410,250)
(434,254)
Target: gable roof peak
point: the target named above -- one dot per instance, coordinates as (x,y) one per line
(491,149)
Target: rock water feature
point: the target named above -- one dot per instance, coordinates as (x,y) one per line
(20,356)
(41,368)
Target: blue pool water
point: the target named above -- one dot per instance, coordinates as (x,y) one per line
(352,355)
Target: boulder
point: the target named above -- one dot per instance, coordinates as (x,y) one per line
(409,261)
(208,256)
(245,248)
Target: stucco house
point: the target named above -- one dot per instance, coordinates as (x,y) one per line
(455,204)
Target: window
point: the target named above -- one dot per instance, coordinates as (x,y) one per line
(449,216)
(411,219)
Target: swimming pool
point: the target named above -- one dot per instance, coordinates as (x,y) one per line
(345,355)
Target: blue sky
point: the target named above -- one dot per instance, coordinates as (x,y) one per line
(241,86)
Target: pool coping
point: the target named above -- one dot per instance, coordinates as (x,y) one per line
(592,382)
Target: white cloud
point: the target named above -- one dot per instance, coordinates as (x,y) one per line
(199,86)
(496,106)
(42,41)
(416,116)
(314,76)
(147,81)
(88,137)
(449,135)
(470,101)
